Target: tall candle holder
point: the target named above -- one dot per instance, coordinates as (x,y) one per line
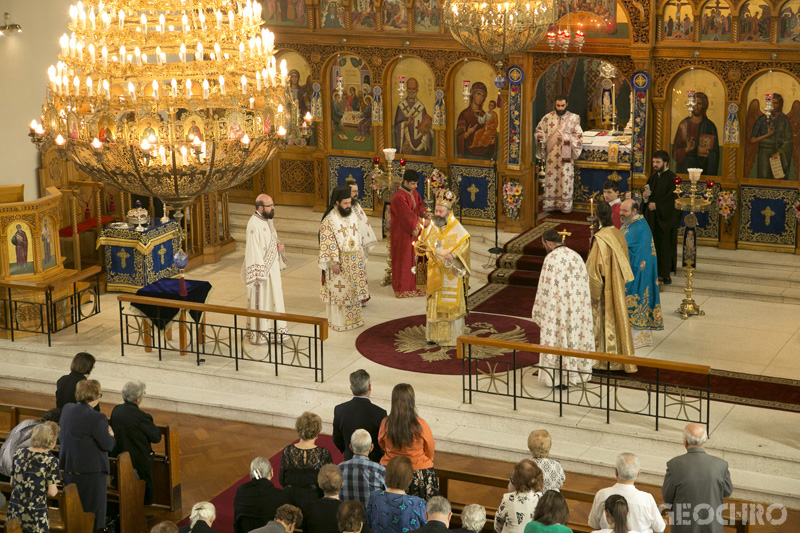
(696,200)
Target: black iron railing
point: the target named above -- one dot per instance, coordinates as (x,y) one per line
(668,390)
(220,331)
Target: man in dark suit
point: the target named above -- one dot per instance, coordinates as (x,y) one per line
(86,439)
(358,413)
(695,485)
(257,500)
(135,431)
(658,208)
(438,514)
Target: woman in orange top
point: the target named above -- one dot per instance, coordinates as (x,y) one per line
(403,433)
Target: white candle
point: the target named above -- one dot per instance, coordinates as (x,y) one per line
(162,22)
(183,154)
(121,16)
(183,53)
(72,44)
(138,54)
(252,103)
(163,155)
(219,19)
(241,51)
(174,85)
(51,73)
(217,52)
(230,20)
(188,88)
(202,21)
(107,89)
(77,83)
(64,42)
(89,86)
(185,23)
(258,81)
(265,76)
(144,59)
(58,86)
(284,72)
(199,51)
(205,89)
(144,24)
(222,85)
(155,89)
(158,55)
(104,53)
(122,54)
(132,91)
(92,55)
(73,14)
(244,84)
(92,19)
(65,84)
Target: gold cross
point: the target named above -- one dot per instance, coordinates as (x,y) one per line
(768,214)
(123,255)
(343,231)
(473,190)
(161,252)
(354,228)
(564,234)
(340,286)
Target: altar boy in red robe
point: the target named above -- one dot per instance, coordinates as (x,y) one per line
(611,196)
(406,210)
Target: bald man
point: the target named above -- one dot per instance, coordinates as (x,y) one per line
(695,484)
(261,272)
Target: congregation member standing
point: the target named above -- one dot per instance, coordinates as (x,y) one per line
(393,510)
(301,463)
(539,444)
(34,478)
(341,259)
(658,208)
(361,476)
(405,211)
(561,131)
(519,504)
(358,413)
(86,439)
(563,312)
(257,500)
(609,271)
(695,485)
(644,298)
(261,271)
(135,433)
(403,433)
(320,515)
(80,368)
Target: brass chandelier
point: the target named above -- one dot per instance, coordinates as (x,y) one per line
(169,98)
(498,29)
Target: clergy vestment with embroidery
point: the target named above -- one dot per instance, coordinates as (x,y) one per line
(340,244)
(559,171)
(563,312)
(609,270)
(448,282)
(405,210)
(643,298)
(261,272)
(368,238)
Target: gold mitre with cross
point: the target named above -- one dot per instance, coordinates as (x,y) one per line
(445,198)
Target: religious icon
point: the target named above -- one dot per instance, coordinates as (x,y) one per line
(789,26)
(48,245)
(476,127)
(395,15)
(194,129)
(413,123)
(677,19)
(696,144)
(363,15)
(105,129)
(235,126)
(426,16)
(284,12)
(715,22)
(72,125)
(771,152)
(351,104)
(19,236)
(755,21)
(332,14)
(148,129)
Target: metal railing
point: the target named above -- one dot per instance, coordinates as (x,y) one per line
(222,331)
(60,304)
(515,375)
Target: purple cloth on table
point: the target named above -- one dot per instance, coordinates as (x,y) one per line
(169,289)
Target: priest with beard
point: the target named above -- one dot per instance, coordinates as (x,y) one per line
(446,245)
(405,211)
(609,271)
(341,259)
(658,209)
(261,271)
(368,239)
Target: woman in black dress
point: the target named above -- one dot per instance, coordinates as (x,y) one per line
(81,367)
(301,462)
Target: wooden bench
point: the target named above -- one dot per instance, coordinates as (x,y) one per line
(128,493)
(446,477)
(67,516)
(166,465)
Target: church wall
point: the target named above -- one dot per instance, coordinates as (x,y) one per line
(24,58)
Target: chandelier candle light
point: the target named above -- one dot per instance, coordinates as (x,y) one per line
(132,109)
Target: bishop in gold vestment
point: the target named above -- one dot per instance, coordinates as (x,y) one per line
(609,270)
(446,243)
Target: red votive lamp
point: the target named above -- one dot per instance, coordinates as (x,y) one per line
(376,160)
(709,184)
(402,162)
(677,181)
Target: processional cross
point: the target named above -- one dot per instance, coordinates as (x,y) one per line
(564,234)
(768,214)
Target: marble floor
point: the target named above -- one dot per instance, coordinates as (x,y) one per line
(746,336)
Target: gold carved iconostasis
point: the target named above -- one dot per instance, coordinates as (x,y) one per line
(349,57)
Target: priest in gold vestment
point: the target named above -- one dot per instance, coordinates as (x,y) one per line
(446,244)
(609,270)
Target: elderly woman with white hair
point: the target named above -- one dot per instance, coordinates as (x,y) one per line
(473,518)
(201,518)
(135,433)
(257,500)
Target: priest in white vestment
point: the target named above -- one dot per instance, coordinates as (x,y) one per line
(341,259)
(446,244)
(368,238)
(561,131)
(563,312)
(261,271)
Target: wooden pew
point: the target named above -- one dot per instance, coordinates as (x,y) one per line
(67,517)
(166,467)
(128,492)
(13,526)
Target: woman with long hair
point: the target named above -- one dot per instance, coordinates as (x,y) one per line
(403,433)
(616,510)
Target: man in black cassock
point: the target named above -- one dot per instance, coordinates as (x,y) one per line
(661,214)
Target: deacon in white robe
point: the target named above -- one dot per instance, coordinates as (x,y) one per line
(261,271)
(341,259)
(563,312)
(368,238)
(562,132)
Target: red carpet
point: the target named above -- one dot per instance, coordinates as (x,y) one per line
(401,343)
(223,502)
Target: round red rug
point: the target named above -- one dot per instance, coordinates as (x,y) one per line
(401,343)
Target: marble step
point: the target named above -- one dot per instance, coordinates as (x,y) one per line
(742,288)
(488,428)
